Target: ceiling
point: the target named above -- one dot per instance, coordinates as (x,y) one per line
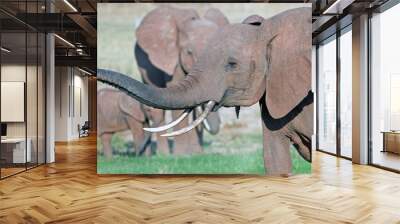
(74,21)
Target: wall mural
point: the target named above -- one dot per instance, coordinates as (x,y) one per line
(204,88)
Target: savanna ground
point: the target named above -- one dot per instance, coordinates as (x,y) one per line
(236,149)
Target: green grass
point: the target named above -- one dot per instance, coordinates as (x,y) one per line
(208,163)
(222,155)
(299,165)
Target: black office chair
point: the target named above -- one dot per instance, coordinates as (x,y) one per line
(84,130)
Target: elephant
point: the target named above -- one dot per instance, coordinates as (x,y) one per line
(119,112)
(166,58)
(264,61)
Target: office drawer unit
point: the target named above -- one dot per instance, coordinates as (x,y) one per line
(391,141)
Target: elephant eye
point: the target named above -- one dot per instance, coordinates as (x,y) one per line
(231,65)
(189,51)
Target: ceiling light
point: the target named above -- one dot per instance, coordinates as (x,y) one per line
(84,71)
(65,41)
(5,50)
(79,51)
(337,7)
(70,5)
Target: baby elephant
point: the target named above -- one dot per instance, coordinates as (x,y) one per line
(119,112)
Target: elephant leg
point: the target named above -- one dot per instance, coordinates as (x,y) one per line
(138,135)
(106,140)
(200,136)
(162,142)
(301,129)
(277,159)
(187,143)
(145,147)
(302,143)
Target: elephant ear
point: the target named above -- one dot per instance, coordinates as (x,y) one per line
(157,35)
(216,16)
(288,56)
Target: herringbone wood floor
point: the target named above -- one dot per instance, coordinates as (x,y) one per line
(70,191)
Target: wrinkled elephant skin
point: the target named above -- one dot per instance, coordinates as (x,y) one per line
(265,61)
(119,112)
(166,58)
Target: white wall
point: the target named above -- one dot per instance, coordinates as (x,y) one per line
(11,73)
(16,73)
(33,126)
(61,103)
(79,117)
(70,83)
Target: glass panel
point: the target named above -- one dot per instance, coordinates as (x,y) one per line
(346,94)
(23,90)
(385,84)
(327,96)
(13,87)
(41,99)
(31,98)
(31,88)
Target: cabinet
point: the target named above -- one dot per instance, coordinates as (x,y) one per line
(391,142)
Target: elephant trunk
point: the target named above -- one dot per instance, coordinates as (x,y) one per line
(183,95)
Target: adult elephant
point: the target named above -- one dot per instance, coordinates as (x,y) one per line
(260,60)
(169,41)
(119,112)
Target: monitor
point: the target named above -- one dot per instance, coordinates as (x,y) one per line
(3,129)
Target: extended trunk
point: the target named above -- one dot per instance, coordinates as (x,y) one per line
(185,94)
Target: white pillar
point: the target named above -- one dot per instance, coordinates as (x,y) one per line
(360,90)
(50,92)
(50,99)
(314,89)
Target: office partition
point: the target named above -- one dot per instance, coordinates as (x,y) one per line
(22,78)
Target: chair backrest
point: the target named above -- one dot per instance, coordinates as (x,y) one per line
(86,125)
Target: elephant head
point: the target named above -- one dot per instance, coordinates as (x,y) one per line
(259,60)
(173,39)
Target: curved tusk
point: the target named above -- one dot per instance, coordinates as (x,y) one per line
(205,122)
(199,109)
(184,114)
(196,122)
(206,125)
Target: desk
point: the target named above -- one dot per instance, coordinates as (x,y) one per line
(391,141)
(13,150)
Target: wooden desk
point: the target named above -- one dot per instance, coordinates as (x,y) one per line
(391,141)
